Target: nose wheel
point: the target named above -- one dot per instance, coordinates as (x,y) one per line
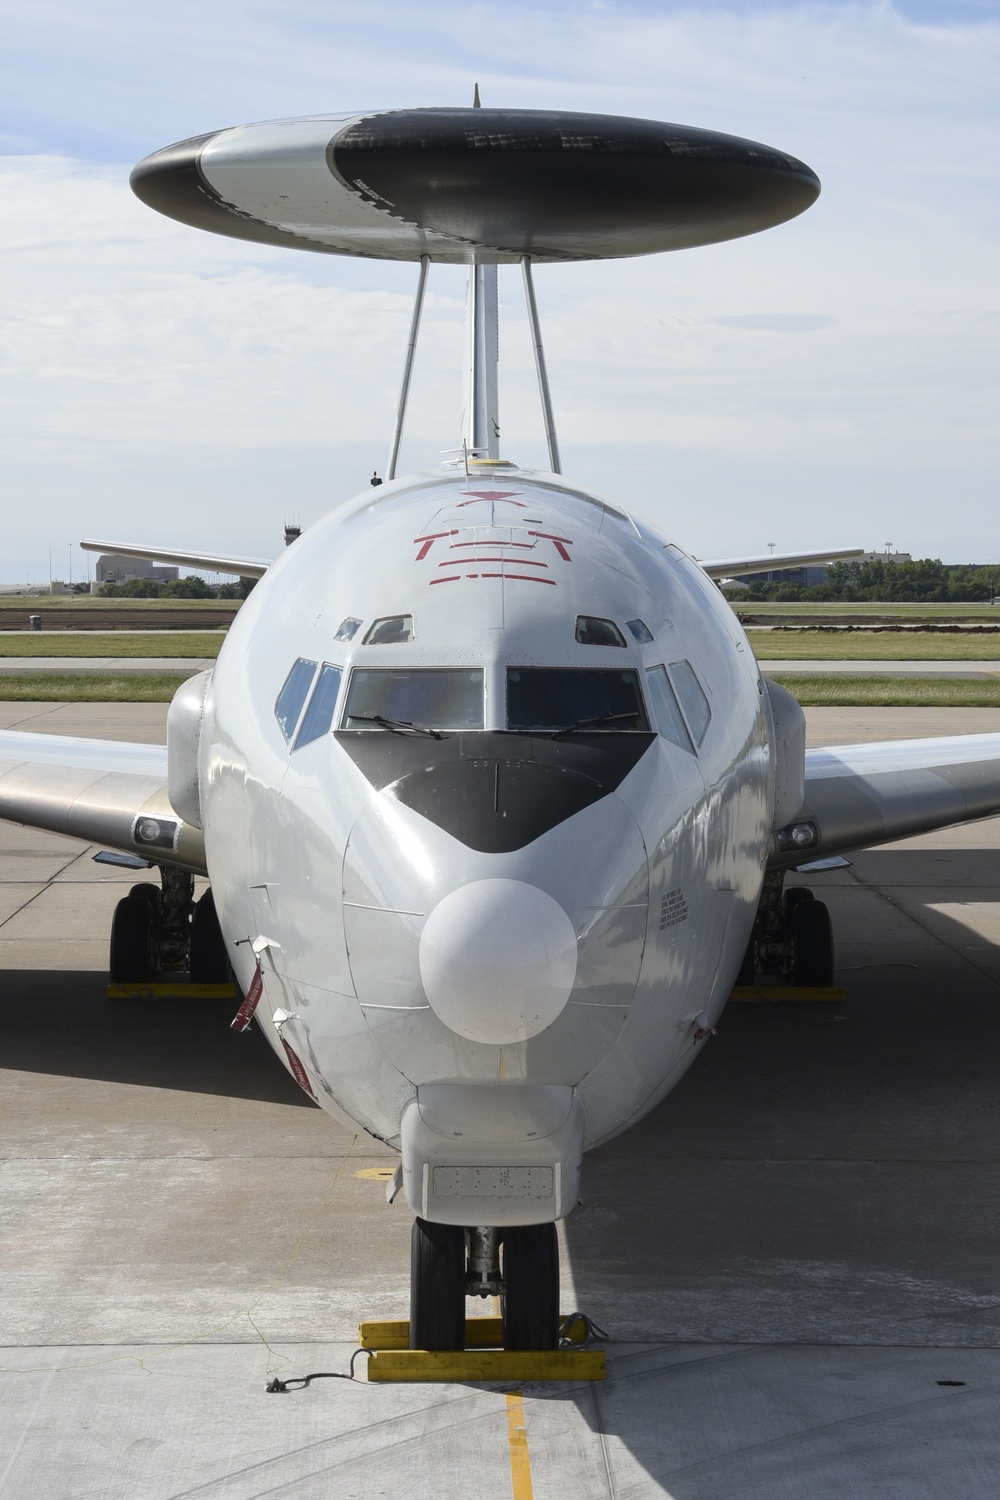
(437,1286)
(446,1265)
(531,1287)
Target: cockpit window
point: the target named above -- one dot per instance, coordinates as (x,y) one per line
(562,698)
(591,631)
(419,698)
(692,698)
(293,695)
(319,714)
(639,631)
(666,710)
(348,629)
(393,630)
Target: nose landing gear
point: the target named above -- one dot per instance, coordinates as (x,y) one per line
(449,1263)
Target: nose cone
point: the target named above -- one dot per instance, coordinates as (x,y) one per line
(498,961)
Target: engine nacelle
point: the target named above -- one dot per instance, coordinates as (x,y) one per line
(185,717)
(788,749)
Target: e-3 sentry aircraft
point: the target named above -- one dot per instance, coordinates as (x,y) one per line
(493,799)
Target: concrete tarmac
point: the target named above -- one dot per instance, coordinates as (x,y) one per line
(189,664)
(794,1255)
(881,668)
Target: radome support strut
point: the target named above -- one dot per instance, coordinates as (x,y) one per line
(482,409)
(543,379)
(404,391)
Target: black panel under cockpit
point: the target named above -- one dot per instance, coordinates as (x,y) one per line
(496,792)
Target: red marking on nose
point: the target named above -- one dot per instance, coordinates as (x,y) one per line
(428,542)
(524,577)
(529,545)
(559,542)
(522,562)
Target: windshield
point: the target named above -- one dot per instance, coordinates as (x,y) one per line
(426,698)
(560,698)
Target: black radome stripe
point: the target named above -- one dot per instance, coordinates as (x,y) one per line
(561,185)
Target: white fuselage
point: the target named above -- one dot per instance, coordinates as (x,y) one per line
(390,939)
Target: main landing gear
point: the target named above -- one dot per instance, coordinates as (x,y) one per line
(161,928)
(449,1263)
(792,936)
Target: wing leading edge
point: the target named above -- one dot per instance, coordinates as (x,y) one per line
(860,795)
(243,567)
(100,791)
(856,796)
(733,567)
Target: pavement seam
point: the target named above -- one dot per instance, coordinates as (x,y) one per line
(46,886)
(934,937)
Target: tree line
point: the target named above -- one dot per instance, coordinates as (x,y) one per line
(925,579)
(176,588)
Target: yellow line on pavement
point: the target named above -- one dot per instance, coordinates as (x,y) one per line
(517,1442)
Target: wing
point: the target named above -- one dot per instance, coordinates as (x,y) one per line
(244,567)
(859,795)
(732,567)
(101,791)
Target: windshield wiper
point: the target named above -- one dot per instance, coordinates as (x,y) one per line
(399,726)
(594,723)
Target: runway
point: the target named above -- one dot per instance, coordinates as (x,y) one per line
(794,1256)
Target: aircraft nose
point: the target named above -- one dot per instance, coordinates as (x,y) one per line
(498,960)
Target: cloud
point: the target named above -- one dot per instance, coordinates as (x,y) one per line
(154,377)
(776,322)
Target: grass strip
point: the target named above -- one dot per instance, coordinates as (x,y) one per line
(848,691)
(872,609)
(90,687)
(871,645)
(135,643)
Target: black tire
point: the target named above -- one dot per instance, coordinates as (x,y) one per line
(437,1286)
(131,936)
(531,1287)
(209,962)
(150,893)
(812,935)
(791,898)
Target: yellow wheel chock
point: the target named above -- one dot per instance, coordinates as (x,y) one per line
(483,1358)
(171,989)
(757,992)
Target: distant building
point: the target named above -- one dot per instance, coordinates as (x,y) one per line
(114,569)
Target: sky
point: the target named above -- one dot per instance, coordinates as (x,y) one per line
(832,382)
